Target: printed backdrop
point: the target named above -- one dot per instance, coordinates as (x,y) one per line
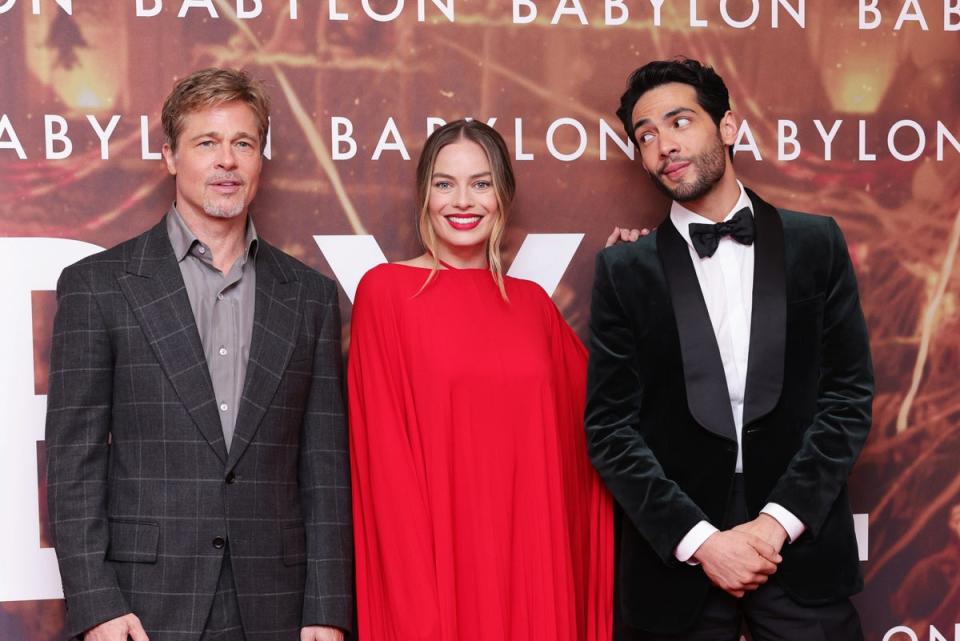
(850,108)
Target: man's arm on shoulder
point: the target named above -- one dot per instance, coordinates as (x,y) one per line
(325,478)
(77,431)
(658,508)
(819,470)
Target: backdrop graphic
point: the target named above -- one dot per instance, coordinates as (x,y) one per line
(851,108)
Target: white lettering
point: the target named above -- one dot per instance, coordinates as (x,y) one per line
(828,137)
(390,131)
(911,11)
(52,136)
(869,6)
(14,143)
(104,134)
(750,144)
(566,122)
(740,24)
(531,11)
(574,10)
(891,140)
(799,14)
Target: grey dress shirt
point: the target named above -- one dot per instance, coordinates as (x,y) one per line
(222,306)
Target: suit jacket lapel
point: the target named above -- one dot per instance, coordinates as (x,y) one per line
(154,288)
(276,321)
(769,318)
(707,395)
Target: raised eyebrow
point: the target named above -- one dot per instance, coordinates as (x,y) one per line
(677,111)
(669,114)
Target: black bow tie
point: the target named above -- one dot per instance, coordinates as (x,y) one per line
(706,237)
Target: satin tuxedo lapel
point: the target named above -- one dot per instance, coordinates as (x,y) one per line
(768,324)
(706,384)
(276,320)
(155,290)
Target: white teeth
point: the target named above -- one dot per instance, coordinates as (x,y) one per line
(464,220)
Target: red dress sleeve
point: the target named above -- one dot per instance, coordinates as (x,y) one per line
(584,488)
(391,519)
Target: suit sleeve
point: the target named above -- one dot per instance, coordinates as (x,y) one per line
(325,481)
(819,470)
(658,508)
(77,448)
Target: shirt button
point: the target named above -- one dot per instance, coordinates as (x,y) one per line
(201,249)
(219,542)
(224,407)
(223,351)
(219,296)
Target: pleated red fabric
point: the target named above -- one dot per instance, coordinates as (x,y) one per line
(477,514)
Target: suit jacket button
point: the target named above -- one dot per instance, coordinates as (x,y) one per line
(219,542)
(231,478)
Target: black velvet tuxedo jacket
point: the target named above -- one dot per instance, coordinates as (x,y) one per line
(144,499)
(660,427)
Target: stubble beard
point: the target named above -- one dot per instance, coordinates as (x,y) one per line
(710,166)
(230,209)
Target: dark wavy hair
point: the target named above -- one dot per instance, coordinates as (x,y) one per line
(712,94)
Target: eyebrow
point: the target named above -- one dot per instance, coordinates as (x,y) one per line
(442,175)
(217,134)
(669,114)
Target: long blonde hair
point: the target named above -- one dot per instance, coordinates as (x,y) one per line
(504,187)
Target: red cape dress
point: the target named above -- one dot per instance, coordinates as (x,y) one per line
(477,514)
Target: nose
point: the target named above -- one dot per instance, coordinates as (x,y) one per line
(463,198)
(226,157)
(668,144)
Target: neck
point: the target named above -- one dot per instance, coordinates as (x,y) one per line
(224,236)
(463,257)
(717,203)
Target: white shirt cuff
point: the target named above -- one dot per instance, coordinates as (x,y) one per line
(690,543)
(786,519)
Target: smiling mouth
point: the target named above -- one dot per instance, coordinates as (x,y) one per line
(463,222)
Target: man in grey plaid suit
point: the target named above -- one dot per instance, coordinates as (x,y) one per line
(198,475)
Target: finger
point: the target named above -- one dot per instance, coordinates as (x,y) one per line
(644,232)
(136,631)
(614,236)
(634,234)
(764,549)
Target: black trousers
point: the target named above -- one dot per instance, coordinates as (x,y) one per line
(223,622)
(768,613)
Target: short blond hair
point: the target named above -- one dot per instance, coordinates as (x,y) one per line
(209,88)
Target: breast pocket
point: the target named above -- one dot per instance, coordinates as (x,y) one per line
(133,541)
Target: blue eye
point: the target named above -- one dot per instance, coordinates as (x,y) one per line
(482,184)
(442,184)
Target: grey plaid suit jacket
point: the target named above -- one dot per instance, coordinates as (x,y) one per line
(141,491)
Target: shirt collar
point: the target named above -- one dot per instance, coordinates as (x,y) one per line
(183,240)
(681,217)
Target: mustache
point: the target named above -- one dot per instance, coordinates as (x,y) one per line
(669,161)
(224,177)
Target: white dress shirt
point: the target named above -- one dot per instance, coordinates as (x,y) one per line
(726,281)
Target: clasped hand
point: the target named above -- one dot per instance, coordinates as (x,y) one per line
(742,559)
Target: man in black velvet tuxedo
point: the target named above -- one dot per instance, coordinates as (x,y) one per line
(729,393)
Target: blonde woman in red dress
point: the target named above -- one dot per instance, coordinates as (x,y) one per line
(477,514)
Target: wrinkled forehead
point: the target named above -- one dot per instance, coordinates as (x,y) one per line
(664,101)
